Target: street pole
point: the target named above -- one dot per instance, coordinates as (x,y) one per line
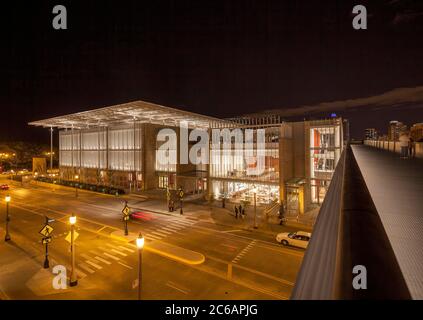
(255,210)
(73,281)
(76,186)
(140,245)
(125,220)
(51,148)
(46,262)
(126,226)
(7,237)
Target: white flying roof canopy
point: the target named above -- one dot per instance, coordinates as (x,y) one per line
(139,111)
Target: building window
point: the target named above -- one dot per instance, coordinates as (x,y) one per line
(163,182)
(325,151)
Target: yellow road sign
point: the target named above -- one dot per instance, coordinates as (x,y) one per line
(181,193)
(126,210)
(46,240)
(46,230)
(75,236)
(126,218)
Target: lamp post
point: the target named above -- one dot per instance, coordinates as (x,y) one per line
(255,207)
(76,186)
(7,199)
(73,281)
(140,246)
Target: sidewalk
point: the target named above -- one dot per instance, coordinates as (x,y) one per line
(214,213)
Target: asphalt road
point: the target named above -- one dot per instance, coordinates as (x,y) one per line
(238,264)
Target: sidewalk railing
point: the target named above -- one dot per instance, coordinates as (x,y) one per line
(349,233)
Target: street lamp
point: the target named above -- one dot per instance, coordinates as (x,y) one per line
(76,187)
(140,246)
(255,206)
(73,281)
(7,199)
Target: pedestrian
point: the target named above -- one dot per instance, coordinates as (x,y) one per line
(242,213)
(410,148)
(236,212)
(240,209)
(404,141)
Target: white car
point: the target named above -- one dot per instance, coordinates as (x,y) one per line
(297,239)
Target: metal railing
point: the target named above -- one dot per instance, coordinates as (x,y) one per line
(348,232)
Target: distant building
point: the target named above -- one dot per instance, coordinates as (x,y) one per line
(395,129)
(416,132)
(370,134)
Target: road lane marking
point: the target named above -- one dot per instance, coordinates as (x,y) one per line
(112,246)
(229,231)
(129,250)
(125,265)
(164,231)
(110,256)
(118,252)
(95,265)
(173,286)
(102,260)
(244,251)
(78,272)
(148,236)
(86,256)
(172,228)
(183,223)
(85,267)
(102,228)
(159,234)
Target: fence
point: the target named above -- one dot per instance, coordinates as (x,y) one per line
(394,146)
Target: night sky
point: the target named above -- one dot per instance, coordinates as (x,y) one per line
(220,58)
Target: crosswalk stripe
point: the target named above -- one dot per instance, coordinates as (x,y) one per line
(125,265)
(97,253)
(159,233)
(183,223)
(118,252)
(78,272)
(147,236)
(123,248)
(85,256)
(164,231)
(95,265)
(111,246)
(85,267)
(172,228)
(110,256)
(102,260)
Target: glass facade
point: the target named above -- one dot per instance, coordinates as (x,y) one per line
(325,151)
(234,164)
(116,148)
(233,174)
(238,191)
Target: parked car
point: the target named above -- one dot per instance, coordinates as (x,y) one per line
(296,239)
(4,187)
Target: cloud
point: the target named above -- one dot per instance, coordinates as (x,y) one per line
(401,97)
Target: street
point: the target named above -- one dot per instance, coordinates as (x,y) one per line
(183,258)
